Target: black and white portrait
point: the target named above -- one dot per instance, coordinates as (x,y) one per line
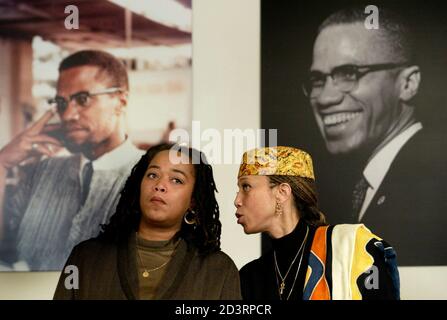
(361,87)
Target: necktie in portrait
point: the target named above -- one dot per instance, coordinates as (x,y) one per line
(87,173)
(358,196)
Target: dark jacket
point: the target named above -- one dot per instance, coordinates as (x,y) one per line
(109,271)
(409,208)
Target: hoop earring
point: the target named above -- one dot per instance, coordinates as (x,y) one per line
(194,217)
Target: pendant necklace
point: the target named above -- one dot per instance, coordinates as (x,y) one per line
(146,272)
(282,285)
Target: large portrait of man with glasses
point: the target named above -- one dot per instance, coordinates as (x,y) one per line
(60,201)
(379,149)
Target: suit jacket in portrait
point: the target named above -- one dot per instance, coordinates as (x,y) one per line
(410,209)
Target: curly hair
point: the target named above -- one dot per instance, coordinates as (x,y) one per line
(204,234)
(305,198)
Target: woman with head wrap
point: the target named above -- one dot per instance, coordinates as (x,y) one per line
(309,259)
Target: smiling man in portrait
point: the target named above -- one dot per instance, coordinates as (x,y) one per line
(361,86)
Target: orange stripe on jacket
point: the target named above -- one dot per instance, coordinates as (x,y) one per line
(319,248)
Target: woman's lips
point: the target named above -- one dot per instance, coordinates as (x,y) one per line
(158,200)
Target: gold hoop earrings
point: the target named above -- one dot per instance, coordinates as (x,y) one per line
(193,219)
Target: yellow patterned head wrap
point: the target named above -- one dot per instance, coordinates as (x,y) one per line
(283,161)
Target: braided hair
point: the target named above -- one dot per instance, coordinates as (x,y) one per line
(204,234)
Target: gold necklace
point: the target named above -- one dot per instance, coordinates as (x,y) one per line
(282,286)
(146,272)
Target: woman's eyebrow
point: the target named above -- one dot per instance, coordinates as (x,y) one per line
(180,171)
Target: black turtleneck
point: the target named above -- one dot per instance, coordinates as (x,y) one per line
(259,279)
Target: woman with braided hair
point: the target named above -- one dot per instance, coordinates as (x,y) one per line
(309,260)
(163,242)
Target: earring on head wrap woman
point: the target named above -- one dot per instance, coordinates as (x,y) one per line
(278,209)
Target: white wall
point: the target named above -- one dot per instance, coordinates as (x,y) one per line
(226,95)
(226,70)
(27,285)
(423,283)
